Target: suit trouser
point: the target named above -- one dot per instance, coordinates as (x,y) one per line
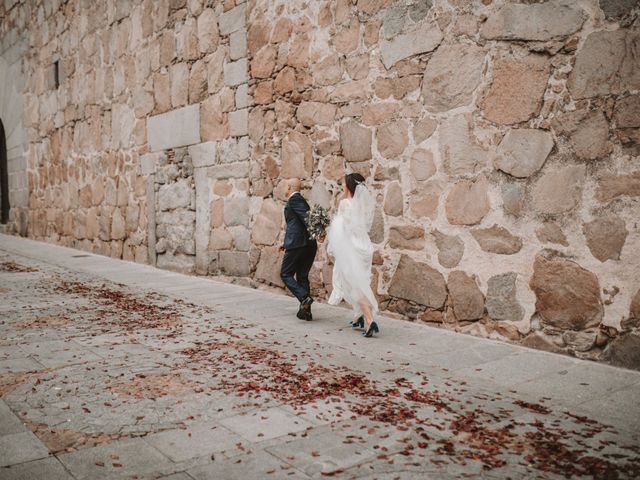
(296,265)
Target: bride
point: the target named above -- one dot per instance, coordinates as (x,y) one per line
(351,248)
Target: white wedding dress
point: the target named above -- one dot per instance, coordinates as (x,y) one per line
(351,248)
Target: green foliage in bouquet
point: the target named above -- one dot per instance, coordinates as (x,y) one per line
(317,222)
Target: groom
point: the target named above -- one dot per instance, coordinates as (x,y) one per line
(299,249)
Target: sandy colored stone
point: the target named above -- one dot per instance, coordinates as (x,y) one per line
(285,81)
(299,52)
(358,66)
(606,237)
(421,164)
(198,82)
(425,199)
(392,139)
(452,75)
(458,148)
(407,237)
(208,35)
(263,92)
(179,84)
(424,38)
(450,249)
(502,303)
(213,123)
(567,295)
(588,133)
(605,64)
(540,341)
(258,35)
(558,190)
(311,114)
(624,351)
(627,112)
(328,71)
(264,62)
(467,202)
(371,7)
(466,297)
(267,227)
(551,20)
(423,129)
(523,151)
(379,113)
(297,156)
(611,187)
(516,92)
(497,239)
(268,268)
(345,40)
(513,198)
(376,233)
(394,200)
(418,282)
(551,232)
(355,141)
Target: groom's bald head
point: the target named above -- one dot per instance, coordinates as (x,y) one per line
(294,185)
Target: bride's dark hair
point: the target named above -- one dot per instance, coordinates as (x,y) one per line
(352,180)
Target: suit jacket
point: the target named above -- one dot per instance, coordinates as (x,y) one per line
(295,214)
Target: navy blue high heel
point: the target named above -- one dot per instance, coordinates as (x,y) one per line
(359,323)
(373,328)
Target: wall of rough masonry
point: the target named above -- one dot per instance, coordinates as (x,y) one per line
(500,138)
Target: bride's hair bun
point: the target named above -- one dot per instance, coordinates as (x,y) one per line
(352,181)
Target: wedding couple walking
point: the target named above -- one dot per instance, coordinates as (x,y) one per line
(348,244)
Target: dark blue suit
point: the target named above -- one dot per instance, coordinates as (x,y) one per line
(300,249)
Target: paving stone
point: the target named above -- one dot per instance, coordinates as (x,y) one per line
(128,457)
(256,465)
(265,425)
(20,447)
(9,422)
(48,468)
(191,442)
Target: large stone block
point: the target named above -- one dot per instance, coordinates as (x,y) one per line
(418,282)
(422,165)
(606,64)
(552,20)
(311,114)
(466,297)
(175,195)
(467,203)
(588,133)
(450,249)
(235,73)
(297,156)
(392,139)
(239,123)
(394,200)
(497,239)
(234,150)
(517,89)
(355,141)
(231,170)
(567,295)
(148,163)
(173,129)
(606,237)
(236,211)
(234,264)
(558,190)
(208,34)
(452,75)
(425,38)
(459,150)
(268,224)
(233,20)
(407,237)
(614,186)
(268,268)
(502,303)
(522,152)
(203,154)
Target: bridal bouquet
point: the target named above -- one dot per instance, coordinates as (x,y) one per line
(317,222)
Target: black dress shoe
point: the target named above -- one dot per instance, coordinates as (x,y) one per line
(304,314)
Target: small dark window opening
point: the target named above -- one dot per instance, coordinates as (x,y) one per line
(56,73)
(4,178)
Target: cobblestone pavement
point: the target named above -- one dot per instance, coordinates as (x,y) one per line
(110,369)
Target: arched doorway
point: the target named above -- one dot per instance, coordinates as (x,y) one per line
(4,178)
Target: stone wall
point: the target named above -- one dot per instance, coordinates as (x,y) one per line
(500,139)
